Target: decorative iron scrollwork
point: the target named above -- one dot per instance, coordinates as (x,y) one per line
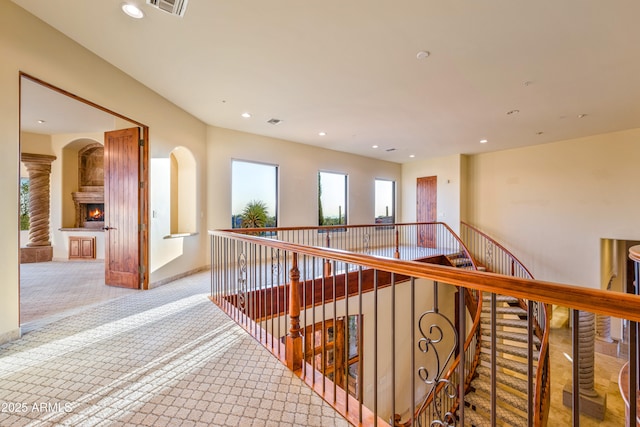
(430,341)
(444,418)
(275,266)
(489,257)
(242,281)
(434,327)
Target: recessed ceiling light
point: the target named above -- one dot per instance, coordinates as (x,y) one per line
(322,133)
(41,121)
(133,11)
(539,133)
(483,141)
(274,121)
(422,54)
(246,115)
(580,116)
(374,146)
(412,155)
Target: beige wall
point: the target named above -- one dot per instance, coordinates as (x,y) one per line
(298,174)
(28,45)
(552,204)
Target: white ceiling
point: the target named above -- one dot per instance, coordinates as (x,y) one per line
(349,68)
(50,112)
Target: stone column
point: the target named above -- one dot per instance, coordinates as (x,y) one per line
(603,328)
(39,169)
(587,355)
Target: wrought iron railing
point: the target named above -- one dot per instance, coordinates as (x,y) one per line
(348,323)
(495,258)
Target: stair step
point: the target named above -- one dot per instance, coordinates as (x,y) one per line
(516,311)
(503,378)
(508,349)
(460,262)
(511,323)
(509,364)
(483,386)
(486,298)
(475,419)
(510,336)
(481,404)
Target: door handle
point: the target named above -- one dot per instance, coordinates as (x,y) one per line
(107,228)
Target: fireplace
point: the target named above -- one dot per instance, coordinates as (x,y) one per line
(95,212)
(89,199)
(89,202)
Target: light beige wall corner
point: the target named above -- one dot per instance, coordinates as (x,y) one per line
(448,170)
(298,173)
(551,204)
(29,45)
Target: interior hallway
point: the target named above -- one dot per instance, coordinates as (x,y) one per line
(167,356)
(167,338)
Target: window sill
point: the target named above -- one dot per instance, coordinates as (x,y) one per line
(178,235)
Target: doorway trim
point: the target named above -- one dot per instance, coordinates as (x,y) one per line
(143,234)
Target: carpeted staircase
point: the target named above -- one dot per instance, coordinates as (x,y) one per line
(511,369)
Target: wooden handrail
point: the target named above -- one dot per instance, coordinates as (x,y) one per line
(593,300)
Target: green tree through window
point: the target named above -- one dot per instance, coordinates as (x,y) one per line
(24,204)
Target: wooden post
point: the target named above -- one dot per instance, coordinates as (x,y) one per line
(327,263)
(294,339)
(397,252)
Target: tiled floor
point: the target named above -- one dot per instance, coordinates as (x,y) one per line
(166,356)
(607,369)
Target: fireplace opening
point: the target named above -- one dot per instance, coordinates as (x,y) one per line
(95,212)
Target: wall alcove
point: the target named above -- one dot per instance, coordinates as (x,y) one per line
(89,199)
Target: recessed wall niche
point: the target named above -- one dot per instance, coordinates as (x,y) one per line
(91,166)
(90,188)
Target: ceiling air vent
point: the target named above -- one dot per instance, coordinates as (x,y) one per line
(174,7)
(274,121)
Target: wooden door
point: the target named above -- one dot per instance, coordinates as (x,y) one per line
(426,210)
(324,348)
(122,208)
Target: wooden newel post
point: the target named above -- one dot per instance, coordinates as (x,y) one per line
(294,339)
(327,263)
(397,252)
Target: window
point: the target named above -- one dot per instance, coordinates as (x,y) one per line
(385,201)
(332,198)
(254,194)
(326,345)
(24,203)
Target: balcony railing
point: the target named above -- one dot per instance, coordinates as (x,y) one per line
(495,258)
(374,319)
